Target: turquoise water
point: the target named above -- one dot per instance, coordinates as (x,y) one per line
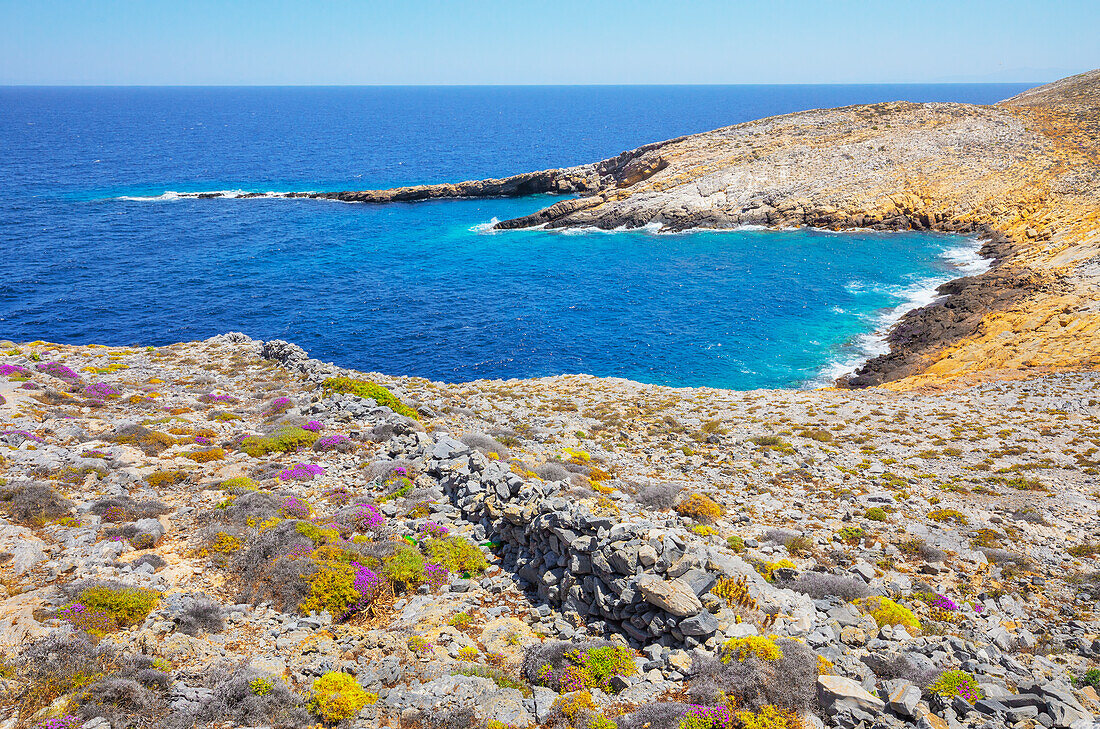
(96,251)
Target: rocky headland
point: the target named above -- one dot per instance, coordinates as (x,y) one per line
(229,533)
(1023,175)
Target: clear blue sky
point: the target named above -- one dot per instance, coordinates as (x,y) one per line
(543,42)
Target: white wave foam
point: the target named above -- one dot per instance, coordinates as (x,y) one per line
(485,227)
(963,260)
(208,194)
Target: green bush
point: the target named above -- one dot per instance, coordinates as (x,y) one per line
(331,588)
(875,513)
(286,439)
(363,388)
(126,605)
(405,566)
(455,553)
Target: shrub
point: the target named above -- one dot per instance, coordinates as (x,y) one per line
(460,620)
(566,667)
(486,444)
(240,483)
(787,682)
(956,683)
(339,443)
(124,508)
(125,605)
(738,649)
(952,515)
(919,548)
(457,554)
(735,543)
(285,439)
(363,388)
(337,696)
(851,535)
(123,701)
(160,479)
(206,455)
(200,614)
(891,666)
(819,585)
(405,566)
(249,697)
(700,508)
(34,504)
(150,442)
(331,588)
(467,653)
(655,715)
(887,612)
(551,471)
(875,513)
(301,472)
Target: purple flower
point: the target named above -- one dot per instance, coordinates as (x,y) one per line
(293,507)
(202,440)
(7,369)
(301,472)
(711,717)
(21,435)
(101,391)
(58,370)
(29,386)
(68,721)
(944,603)
(313,426)
(367,517)
(330,442)
(436,575)
(280,404)
(400,471)
(431,530)
(209,397)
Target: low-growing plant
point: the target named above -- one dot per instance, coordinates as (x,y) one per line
(363,388)
(700,508)
(337,696)
(956,683)
(887,612)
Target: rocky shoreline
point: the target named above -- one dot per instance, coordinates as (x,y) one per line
(1023,174)
(229,533)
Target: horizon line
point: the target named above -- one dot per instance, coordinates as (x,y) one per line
(514,85)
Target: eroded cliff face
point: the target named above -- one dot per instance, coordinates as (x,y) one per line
(1024,175)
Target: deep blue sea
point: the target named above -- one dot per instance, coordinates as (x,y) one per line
(95,248)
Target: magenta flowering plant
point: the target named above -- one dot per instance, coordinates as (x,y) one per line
(58,370)
(313,426)
(68,721)
(400,471)
(80,617)
(280,405)
(301,472)
(366,517)
(432,530)
(212,398)
(294,508)
(23,434)
(944,603)
(30,386)
(331,442)
(299,551)
(202,440)
(436,575)
(102,391)
(6,370)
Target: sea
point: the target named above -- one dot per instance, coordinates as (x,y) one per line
(97,246)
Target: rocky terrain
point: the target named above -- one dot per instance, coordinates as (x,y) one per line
(1024,175)
(228,533)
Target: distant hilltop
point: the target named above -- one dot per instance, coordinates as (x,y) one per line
(1023,174)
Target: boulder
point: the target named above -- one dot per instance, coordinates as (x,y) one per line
(674,596)
(838,694)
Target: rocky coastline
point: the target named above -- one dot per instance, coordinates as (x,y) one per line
(1024,175)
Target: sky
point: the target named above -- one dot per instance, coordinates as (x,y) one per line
(321,42)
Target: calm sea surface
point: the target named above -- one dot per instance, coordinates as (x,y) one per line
(94,247)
